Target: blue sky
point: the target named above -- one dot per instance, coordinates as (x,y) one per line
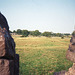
(42,15)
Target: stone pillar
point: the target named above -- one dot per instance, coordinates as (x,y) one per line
(6,67)
(9,60)
(70,55)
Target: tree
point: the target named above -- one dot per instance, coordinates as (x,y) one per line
(31,32)
(62,37)
(47,34)
(67,34)
(19,31)
(25,33)
(73,33)
(35,33)
(10,31)
(59,34)
(54,34)
(14,31)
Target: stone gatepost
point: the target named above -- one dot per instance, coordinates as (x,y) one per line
(9,60)
(70,55)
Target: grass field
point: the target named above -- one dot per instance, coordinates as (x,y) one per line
(42,55)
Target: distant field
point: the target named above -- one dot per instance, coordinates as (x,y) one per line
(42,55)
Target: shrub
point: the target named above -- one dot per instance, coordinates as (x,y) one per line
(62,37)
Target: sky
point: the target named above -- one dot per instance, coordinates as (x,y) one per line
(56,16)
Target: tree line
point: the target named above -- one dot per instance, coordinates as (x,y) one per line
(26,33)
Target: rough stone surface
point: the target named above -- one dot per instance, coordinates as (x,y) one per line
(71,70)
(71,51)
(6,67)
(9,60)
(16,64)
(72,40)
(72,47)
(70,55)
(3,22)
(7,45)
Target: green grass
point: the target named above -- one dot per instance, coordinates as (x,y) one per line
(41,55)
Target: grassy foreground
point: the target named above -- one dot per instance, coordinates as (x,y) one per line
(42,55)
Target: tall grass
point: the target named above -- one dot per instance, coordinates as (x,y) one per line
(41,55)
